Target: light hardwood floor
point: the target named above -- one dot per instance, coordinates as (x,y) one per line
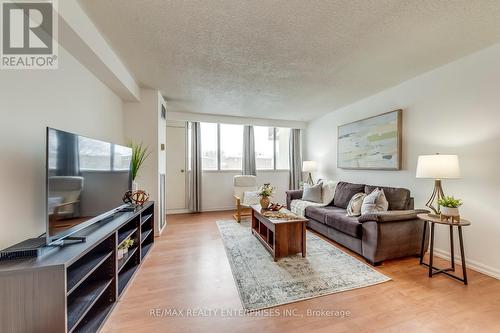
(188,269)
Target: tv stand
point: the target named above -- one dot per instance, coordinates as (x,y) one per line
(75,288)
(128,209)
(70,240)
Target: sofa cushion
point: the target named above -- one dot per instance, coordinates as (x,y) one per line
(346,224)
(393,215)
(319,213)
(398,198)
(344,192)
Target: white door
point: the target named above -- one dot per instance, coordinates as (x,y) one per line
(176,167)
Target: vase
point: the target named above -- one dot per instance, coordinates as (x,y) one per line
(449,211)
(264,202)
(135,186)
(120,254)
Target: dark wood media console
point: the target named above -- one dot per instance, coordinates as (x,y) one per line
(75,287)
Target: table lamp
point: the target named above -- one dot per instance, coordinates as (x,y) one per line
(309,166)
(437,167)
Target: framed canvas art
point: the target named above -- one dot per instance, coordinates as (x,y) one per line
(371,144)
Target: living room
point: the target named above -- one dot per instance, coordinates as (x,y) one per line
(237,166)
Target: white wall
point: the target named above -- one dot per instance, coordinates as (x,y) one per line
(143,123)
(69,98)
(454,109)
(217,187)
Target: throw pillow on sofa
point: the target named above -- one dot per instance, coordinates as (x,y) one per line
(374,202)
(328,191)
(354,206)
(312,193)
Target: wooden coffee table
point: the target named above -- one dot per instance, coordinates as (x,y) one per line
(281,237)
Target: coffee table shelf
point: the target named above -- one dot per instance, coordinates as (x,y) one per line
(280,237)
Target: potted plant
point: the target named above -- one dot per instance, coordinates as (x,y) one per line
(264,193)
(449,206)
(140,153)
(123,248)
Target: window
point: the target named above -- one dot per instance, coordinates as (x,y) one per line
(209,146)
(94,154)
(231,146)
(222,147)
(54,142)
(282,150)
(122,157)
(271,148)
(264,147)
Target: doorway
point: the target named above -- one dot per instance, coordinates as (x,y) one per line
(176,167)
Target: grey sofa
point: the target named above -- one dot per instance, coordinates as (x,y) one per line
(377,237)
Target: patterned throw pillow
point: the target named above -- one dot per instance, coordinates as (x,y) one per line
(374,202)
(312,193)
(354,206)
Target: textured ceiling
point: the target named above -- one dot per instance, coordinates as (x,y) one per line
(287,59)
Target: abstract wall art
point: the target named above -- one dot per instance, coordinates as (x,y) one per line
(372,143)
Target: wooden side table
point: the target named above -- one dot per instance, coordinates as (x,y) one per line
(434,219)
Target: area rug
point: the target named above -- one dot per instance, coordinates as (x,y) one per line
(263,283)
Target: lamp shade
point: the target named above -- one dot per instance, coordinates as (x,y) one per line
(309,166)
(438,166)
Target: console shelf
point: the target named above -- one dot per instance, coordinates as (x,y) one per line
(122,262)
(123,235)
(74,288)
(145,235)
(78,273)
(145,249)
(124,277)
(144,219)
(83,301)
(95,317)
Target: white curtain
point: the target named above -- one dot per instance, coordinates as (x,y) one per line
(194,190)
(248,151)
(295,160)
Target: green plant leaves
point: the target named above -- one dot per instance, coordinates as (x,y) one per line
(140,153)
(450,202)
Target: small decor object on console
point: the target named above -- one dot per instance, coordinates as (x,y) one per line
(123,248)
(140,153)
(140,197)
(127,197)
(264,193)
(135,198)
(449,208)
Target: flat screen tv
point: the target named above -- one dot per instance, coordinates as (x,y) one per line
(86,180)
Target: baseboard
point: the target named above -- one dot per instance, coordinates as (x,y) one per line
(177,211)
(213,209)
(163,228)
(472,264)
(217,209)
